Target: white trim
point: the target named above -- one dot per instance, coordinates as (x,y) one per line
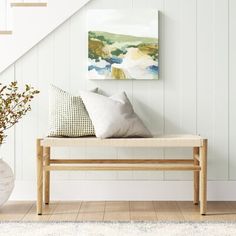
(126,190)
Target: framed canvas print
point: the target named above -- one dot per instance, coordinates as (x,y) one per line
(123,44)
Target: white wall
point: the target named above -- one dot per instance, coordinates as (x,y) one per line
(30,25)
(195,94)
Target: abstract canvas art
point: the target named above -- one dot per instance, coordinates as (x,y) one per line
(123,44)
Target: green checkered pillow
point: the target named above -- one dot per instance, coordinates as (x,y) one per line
(68,116)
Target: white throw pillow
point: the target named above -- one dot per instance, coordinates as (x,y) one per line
(113,116)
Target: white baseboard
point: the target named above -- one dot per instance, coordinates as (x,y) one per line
(126,190)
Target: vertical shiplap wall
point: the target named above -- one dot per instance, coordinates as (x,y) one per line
(195,93)
(232,89)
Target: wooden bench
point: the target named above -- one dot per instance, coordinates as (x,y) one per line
(197,163)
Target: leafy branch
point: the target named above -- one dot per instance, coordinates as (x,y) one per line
(13,105)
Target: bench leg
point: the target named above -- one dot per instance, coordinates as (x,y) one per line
(196,178)
(47,176)
(39,177)
(203,178)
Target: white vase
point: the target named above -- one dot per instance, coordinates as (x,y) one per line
(6,181)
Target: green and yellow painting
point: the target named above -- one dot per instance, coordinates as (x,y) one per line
(123,44)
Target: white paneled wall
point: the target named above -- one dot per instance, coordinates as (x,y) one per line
(195,92)
(232,89)
(5,15)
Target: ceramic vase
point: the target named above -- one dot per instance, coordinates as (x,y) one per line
(6,181)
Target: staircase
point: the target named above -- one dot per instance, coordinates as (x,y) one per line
(25,23)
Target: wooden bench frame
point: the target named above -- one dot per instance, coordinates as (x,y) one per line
(197,163)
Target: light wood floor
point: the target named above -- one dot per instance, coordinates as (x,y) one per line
(118,211)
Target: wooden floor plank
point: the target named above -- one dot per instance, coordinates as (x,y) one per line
(220,211)
(15,211)
(91,211)
(143,215)
(118,211)
(140,210)
(142,206)
(216,211)
(190,211)
(117,216)
(90,216)
(117,206)
(47,212)
(65,211)
(166,210)
(232,211)
(92,206)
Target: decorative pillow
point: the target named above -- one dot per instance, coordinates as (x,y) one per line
(67,115)
(113,116)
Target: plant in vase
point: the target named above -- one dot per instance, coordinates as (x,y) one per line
(14,104)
